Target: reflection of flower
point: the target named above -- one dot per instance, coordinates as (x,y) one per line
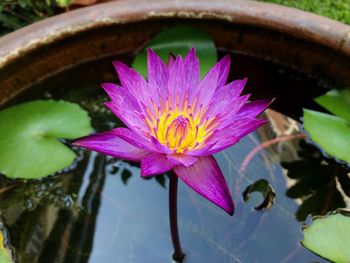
(177,121)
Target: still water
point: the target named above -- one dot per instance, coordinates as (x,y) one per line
(100,210)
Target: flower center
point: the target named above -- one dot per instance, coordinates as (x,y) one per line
(180,133)
(180,128)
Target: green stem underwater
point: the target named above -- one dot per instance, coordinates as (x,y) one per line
(178,255)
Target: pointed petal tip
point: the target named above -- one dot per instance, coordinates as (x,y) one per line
(151,55)
(206,178)
(108,143)
(82,141)
(230,209)
(192,52)
(120,67)
(171,60)
(150,51)
(117,64)
(226,59)
(110,89)
(77,142)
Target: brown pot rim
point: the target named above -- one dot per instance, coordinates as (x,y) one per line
(304,25)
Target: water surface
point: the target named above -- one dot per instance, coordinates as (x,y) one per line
(101,210)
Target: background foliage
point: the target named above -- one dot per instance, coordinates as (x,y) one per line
(335,9)
(15,14)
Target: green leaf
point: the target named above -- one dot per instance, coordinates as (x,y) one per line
(178,41)
(29,133)
(330,132)
(5,256)
(329,237)
(262,186)
(337,102)
(63,3)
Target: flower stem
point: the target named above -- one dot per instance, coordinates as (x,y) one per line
(178,255)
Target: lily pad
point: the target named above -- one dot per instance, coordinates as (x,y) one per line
(178,41)
(63,3)
(30,133)
(337,102)
(5,256)
(329,237)
(330,132)
(262,186)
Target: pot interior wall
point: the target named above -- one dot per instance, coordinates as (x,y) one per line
(70,49)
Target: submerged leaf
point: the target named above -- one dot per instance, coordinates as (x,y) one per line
(330,132)
(337,102)
(262,186)
(29,133)
(178,41)
(329,237)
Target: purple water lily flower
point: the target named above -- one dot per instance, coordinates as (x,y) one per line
(177,121)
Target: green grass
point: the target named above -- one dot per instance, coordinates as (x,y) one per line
(335,9)
(15,14)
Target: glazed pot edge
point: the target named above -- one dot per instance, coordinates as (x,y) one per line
(297,23)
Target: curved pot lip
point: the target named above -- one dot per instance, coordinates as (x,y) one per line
(308,26)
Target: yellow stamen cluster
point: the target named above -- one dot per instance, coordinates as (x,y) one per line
(180,129)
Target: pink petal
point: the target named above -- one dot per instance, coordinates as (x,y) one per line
(177,85)
(182,159)
(160,147)
(130,118)
(205,177)
(158,74)
(157,70)
(254,108)
(241,127)
(213,80)
(184,75)
(228,135)
(110,144)
(125,106)
(171,61)
(113,91)
(203,150)
(191,68)
(225,108)
(135,139)
(154,164)
(222,142)
(136,86)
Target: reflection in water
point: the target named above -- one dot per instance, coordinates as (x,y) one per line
(321,185)
(116,216)
(101,211)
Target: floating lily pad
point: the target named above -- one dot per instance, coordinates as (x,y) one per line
(63,3)
(337,102)
(329,237)
(5,256)
(330,132)
(30,133)
(262,186)
(178,41)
